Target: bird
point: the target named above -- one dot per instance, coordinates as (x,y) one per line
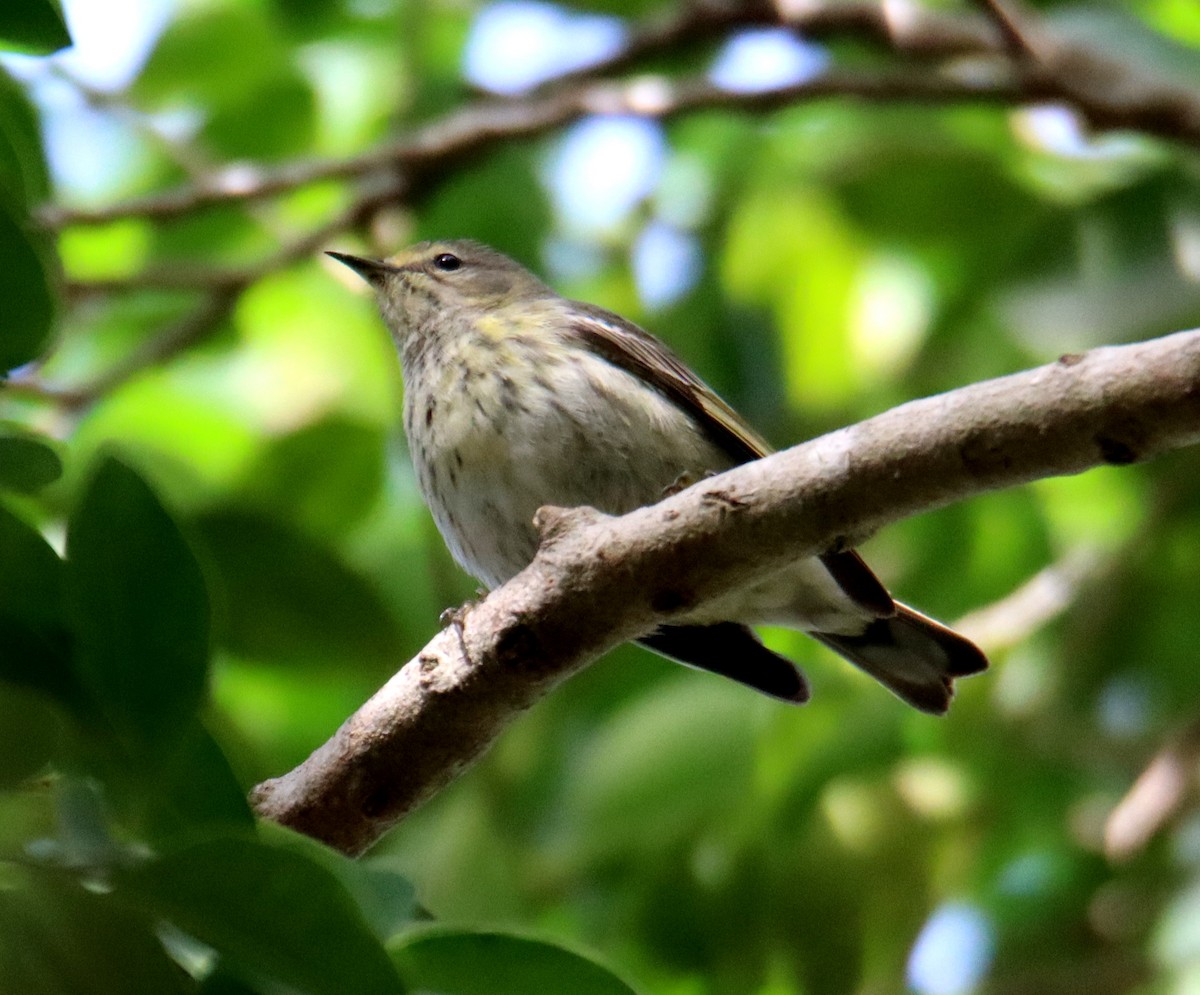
(516,397)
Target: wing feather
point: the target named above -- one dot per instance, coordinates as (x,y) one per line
(626,345)
(639,353)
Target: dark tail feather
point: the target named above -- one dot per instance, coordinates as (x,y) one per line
(732,651)
(911,655)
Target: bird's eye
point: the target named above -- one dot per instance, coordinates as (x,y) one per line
(447,262)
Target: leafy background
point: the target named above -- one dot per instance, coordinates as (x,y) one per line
(206,563)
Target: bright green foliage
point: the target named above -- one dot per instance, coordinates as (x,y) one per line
(208,561)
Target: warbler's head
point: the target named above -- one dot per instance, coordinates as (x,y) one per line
(425,284)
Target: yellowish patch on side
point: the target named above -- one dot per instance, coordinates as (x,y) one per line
(493,327)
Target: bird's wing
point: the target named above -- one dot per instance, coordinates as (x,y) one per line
(639,353)
(623,344)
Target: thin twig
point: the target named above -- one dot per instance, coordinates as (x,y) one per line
(1160,793)
(186,331)
(1041,599)
(1014,31)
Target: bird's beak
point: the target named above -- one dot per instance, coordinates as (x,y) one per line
(371,270)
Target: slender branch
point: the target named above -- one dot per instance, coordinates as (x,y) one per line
(1168,783)
(1016,37)
(223,289)
(481,126)
(1106,93)
(1041,599)
(192,327)
(598,581)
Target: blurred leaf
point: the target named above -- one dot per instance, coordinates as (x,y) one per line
(270,913)
(30,732)
(497,200)
(220,981)
(138,609)
(385,898)
(455,962)
(307,18)
(213,55)
(224,233)
(193,785)
(97,252)
(33,641)
(674,757)
(23,174)
(1127,39)
(26,463)
(431,50)
(240,128)
(25,289)
(59,939)
(83,828)
(288,596)
(326,476)
(806,280)
(35,27)
(1179,18)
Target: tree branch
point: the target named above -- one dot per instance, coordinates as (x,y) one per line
(1013,33)
(222,290)
(1107,93)
(599,581)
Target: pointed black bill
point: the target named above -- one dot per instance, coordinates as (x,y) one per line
(371,270)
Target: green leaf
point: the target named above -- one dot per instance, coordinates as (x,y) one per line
(182,788)
(27,463)
(30,732)
(23,173)
(324,476)
(808,236)
(503,198)
(386,898)
(25,290)
(241,128)
(675,757)
(58,939)
(456,962)
(33,641)
(222,982)
(213,56)
(35,27)
(288,596)
(307,18)
(138,609)
(197,787)
(270,913)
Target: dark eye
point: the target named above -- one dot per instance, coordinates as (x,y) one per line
(447,262)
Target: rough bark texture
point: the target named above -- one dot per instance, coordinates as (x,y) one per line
(598,581)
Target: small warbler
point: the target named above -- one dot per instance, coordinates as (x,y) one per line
(516,397)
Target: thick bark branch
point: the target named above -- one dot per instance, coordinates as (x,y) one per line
(598,581)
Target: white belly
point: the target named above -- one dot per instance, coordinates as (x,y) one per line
(499,458)
(497,461)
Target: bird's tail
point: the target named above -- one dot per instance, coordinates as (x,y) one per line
(911,655)
(732,651)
